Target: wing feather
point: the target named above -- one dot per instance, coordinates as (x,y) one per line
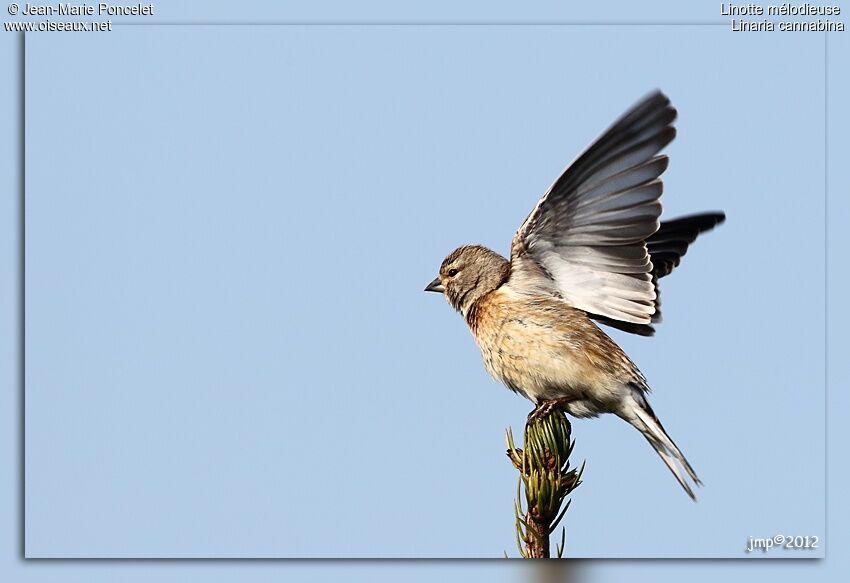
(585,241)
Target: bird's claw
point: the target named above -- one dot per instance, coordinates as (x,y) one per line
(546,408)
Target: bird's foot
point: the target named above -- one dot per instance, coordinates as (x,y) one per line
(545,408)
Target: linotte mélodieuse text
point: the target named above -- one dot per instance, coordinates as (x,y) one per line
(809,15)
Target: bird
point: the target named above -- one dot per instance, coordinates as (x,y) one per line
(591,252)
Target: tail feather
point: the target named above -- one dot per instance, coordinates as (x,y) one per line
(639,414)
(671,463)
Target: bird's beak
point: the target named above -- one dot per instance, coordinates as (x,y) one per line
(436,286)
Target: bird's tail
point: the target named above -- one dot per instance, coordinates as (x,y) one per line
(637,412)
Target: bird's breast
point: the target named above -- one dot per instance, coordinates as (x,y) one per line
(541,347)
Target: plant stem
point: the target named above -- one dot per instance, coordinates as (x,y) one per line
(546,477)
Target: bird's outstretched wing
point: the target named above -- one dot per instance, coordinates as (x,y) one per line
(666,247)
(586,239)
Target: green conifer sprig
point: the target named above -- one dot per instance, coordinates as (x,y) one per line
(547,479)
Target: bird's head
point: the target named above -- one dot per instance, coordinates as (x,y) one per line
(468,273)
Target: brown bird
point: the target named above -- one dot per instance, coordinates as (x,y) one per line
(592,249)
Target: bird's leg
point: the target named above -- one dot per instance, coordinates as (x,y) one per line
(544,408)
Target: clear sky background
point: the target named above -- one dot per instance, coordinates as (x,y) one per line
(228,231)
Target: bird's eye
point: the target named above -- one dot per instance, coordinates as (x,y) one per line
(452,272)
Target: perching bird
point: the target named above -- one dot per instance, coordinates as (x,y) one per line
(592,249)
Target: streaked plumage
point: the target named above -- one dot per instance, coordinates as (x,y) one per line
(592,249)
